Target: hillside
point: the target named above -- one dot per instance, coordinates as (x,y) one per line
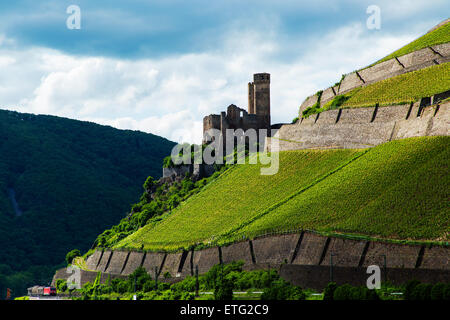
(63,181)
(394,190)
(435,36)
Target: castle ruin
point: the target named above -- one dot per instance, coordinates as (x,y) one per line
(258,114)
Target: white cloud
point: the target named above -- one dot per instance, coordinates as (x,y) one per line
(170,96)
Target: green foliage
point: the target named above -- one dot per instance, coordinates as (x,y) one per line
(215,210)
(376,194)
(348,292)
(71,180)
(282,290)
(437,292)
(315,108)
(71,255)
(152,206)
(61,285)
(409,288)
(328,293)
(371,192)
(294,120)
(223,290)
(422,291)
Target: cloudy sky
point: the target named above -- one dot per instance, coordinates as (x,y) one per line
(159,66)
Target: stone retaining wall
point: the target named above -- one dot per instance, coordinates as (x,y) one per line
(307,252)
(362,127)
(413,61)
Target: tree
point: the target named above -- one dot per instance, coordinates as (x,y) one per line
(72,255)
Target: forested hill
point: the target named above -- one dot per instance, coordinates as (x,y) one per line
(62,182)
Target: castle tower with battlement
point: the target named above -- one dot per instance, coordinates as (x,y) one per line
(258,115)
(259,98)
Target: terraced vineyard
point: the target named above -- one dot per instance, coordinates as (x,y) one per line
(396,190)
(408,87)
(435,37)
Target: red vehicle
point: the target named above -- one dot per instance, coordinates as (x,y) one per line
(49,291)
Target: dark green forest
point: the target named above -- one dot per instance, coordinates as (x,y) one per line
(63,182)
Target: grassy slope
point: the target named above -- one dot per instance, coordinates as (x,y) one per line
(395,190)
(237,196)
(435,37)
(408,87)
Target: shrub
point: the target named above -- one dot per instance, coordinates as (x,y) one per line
(72,255)
(282,290)
(437,292)
(343,292)
(409,288)
(329,291)
(422,292)
(446,294)
(61,285)
(223,290)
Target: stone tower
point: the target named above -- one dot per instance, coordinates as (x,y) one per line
(259,98)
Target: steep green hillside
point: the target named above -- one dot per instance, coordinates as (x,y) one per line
(435,37)
(396,190)
(62,182)
(238,195)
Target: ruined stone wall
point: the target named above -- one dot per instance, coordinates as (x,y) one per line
(362,127)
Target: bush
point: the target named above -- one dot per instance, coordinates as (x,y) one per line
(61,285)
(446,294)
(409,288)
(282,290)
(422,292)
(437,292)
(223,290)
(329,291)
(72,255)
(343,292)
